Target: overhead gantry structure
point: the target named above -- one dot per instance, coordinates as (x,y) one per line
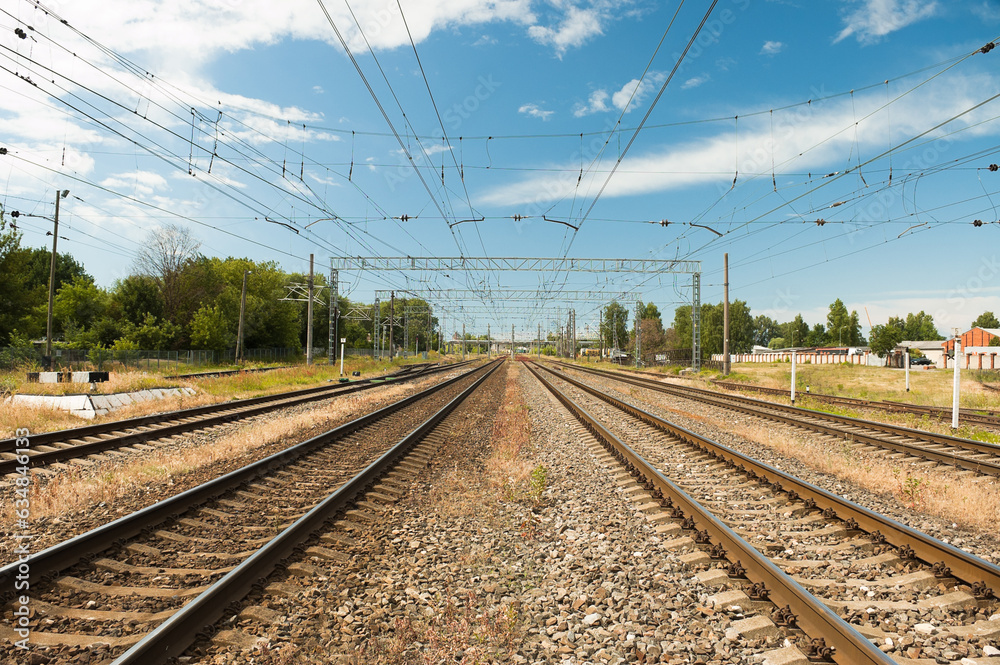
(543,265)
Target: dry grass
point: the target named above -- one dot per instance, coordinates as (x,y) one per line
(73,491)
(936,491)
(511,476)
(209,391)
(929,387)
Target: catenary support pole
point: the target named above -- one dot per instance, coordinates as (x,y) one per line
(489,342)
(376,326)
(392,311)
(309,315)
(512,340)
(725,315)
(463,340)
(243,306)
(539,340)
(52,283)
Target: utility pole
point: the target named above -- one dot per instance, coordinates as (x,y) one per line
(392,308)
(334,333)
(243,306)
(573,349)
(376,326)
(725,316)
(52,278)
(600,334)
(309,316)
(638,334)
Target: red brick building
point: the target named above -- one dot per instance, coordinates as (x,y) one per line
(974,337)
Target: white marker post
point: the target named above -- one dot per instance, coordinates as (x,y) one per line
(343,340)
(955,391)
(793,377)
(907,371)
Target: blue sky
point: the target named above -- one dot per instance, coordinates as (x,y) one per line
(840,148)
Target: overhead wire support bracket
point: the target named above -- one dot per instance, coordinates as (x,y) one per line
(463,221)
(287,226)
(559,221)
(702,226)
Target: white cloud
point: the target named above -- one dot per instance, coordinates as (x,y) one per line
(771,48)
(577,26)
(596,103)
(634,90)
(137,183)
(318,89)
(695,81)
(818,140)
(875,19)
(533,111)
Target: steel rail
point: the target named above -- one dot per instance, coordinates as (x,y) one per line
(175,635)
(978,416)
(224,410)
(964,566)
(55,559)
(815,618)
(798,417)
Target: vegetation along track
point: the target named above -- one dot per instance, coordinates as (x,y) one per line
(64,445)
(981,417)
(159,575)
(842,582)
(912,445)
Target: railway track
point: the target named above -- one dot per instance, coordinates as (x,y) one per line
(140,589)
(907,444)
(65,445)
(982,417)
(841,582)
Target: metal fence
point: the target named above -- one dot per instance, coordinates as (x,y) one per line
(154,361)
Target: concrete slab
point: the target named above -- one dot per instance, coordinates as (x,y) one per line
(90,406)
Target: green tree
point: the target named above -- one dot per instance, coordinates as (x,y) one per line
(916,327)
(136,297)
(80,301)
(986,320)
(651,312)
(816,336)
(16,301)
(885,338)
(210,329)
(776,343)
(764,330)
(795,331)
(614,326)
(843,328)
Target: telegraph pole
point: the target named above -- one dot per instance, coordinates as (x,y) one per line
(243,306)
(52,279)
(376,325)
(309,316)
(725,317)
